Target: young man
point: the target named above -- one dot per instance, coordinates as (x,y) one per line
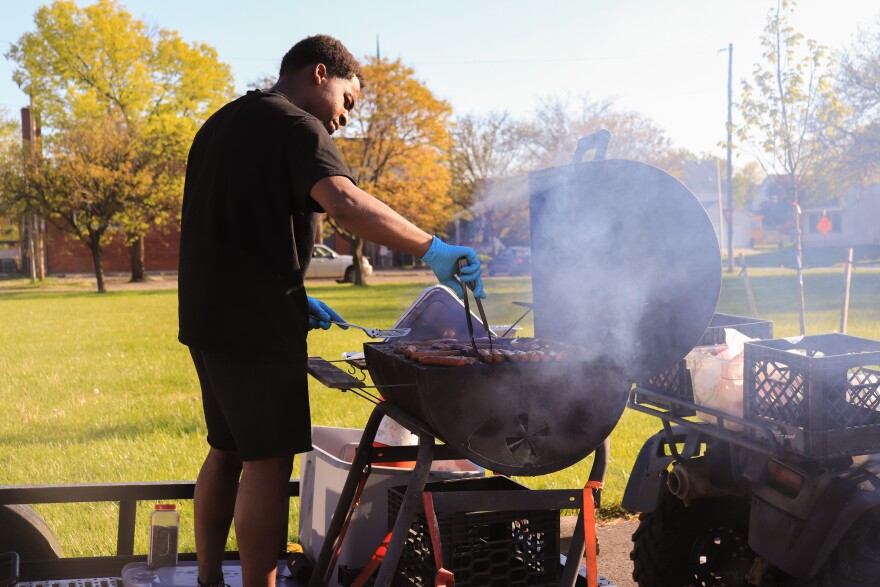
(259,172)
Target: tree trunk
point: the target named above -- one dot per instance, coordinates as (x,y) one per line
(31,248)
(357,255)
(39,248)
(137,259)
(97,259)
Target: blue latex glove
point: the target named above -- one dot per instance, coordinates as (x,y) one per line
(443,260)
(320,315)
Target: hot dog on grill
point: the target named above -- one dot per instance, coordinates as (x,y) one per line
(455,361)
(414,353)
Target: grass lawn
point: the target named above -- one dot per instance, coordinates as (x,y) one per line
(814,257)
(95,388)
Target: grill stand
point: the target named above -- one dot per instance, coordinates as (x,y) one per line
(426,452)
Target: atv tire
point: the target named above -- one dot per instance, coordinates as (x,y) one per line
(23,531)
(856,560)
(703,544)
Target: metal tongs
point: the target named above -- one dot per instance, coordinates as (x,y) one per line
(467,311)
(376,332)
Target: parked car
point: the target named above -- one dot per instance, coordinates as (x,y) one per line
(328,264)
(511,261)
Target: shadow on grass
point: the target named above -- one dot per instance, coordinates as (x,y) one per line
(45,435)
(45,293)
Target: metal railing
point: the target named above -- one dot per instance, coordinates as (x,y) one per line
(127,496)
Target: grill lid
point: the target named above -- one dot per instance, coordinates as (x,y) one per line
(625,261)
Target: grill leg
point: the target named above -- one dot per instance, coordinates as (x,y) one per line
(361,459)
(412,500)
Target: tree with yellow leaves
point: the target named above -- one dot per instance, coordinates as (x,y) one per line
(397,147)
(96,68)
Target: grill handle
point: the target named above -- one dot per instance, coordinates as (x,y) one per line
(598,140)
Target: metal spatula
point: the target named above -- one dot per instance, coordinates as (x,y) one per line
(377,332)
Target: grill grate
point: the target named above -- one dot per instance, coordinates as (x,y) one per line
(99,582)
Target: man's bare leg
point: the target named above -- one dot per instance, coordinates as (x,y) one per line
(260,518)
(214,505)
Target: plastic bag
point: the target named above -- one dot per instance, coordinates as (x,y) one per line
(717,376)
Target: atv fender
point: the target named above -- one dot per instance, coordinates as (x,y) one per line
(801,547)
(647,482)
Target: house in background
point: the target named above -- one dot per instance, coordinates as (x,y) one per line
(746,226)
(851,221)
(703,179)
(773,202)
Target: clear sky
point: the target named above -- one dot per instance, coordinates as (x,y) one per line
(657,57)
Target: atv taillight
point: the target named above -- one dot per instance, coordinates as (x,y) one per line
(785,476)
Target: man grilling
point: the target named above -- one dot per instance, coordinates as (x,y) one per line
(259,173)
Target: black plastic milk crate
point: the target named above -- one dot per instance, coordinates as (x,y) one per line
(676,380)
(819,394)
(483,549)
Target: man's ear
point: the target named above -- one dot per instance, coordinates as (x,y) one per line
(319,73)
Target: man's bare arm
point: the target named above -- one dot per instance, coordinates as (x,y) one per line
(367,217)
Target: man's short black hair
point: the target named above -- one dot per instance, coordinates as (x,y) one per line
(323,49)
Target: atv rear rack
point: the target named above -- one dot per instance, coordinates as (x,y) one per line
(674,408)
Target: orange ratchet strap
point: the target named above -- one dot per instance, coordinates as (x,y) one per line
(373,563)
(444,578)
(589,512)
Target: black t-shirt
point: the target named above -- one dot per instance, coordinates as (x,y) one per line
(248,224)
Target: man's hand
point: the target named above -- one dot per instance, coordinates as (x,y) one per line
(320,315)
(443,260)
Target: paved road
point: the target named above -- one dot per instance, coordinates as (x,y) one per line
(615,544)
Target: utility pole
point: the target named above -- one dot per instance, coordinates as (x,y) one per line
(720,205)
(799,246)
(729,213)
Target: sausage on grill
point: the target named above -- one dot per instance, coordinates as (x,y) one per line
(455,361)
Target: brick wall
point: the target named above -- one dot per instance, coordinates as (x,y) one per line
(65,254)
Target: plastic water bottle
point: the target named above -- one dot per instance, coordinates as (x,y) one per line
(164,528)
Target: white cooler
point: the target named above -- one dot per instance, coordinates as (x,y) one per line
(322,476)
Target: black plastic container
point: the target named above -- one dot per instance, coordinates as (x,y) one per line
(819,394)
(676,380)
(483,549)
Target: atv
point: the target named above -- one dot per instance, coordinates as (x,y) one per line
(785,493)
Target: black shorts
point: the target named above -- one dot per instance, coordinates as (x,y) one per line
(256,404)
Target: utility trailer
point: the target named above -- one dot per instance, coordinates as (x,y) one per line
(33,556)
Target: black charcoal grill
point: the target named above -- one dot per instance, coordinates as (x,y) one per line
(512,418)
(626,268)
